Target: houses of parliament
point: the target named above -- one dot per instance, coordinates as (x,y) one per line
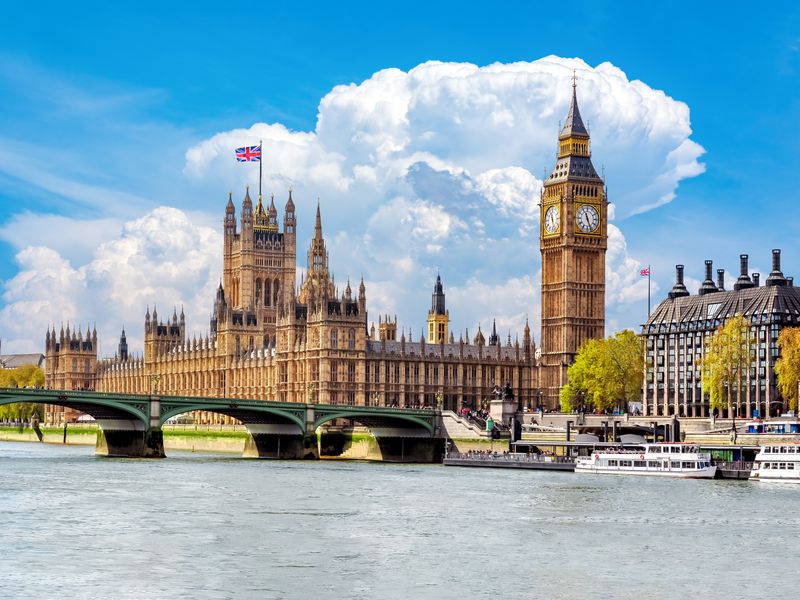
(273,340)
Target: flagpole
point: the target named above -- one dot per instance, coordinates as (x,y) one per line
(260,159)
(648,291)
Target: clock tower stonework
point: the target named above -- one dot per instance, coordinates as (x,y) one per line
(573,239)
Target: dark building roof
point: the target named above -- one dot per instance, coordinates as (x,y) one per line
(12,361)
(574,124)
(762,304)
(776,302)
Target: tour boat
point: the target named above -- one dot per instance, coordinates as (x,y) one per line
(665,460)
(774,426)
(779,463)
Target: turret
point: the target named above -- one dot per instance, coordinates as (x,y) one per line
(494,339)
(122,349)
(272,215)
(438,316)
(289,219)
(230,218)
(247,214)
(362,298)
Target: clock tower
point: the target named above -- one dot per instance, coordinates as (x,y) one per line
(573,239)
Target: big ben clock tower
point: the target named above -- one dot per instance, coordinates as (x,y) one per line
(573,240)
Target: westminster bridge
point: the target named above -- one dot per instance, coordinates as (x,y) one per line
(130,425)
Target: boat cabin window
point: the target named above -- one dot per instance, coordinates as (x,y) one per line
(639,463)
(675,464)
(765,465)
(655,450)
(653,464)
(790,466)
(782,466)
(687,465)
(783,449)
(612,463)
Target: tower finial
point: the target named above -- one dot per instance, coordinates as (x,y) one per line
(574,80)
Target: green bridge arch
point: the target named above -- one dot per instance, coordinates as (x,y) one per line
(374,416)
(246,411)
(99,405)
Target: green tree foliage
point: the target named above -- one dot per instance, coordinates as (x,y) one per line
(25,376)
(727,359)
(606,373)
(788,366)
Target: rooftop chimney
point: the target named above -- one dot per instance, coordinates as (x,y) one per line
(721,279)
(744,279)
(790,281)
(678,290)
(708,286)
(756,279)
(776,277)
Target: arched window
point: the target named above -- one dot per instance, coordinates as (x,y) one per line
(267,292)
(334,339)
(258,291)
(276,286)
(351,339)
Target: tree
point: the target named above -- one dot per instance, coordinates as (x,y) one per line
(25,376)
(787,368)
(727,359)
(606,373)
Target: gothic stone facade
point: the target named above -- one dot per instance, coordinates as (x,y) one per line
(676,333)
(269,340)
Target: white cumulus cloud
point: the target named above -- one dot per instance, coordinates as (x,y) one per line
(438,168)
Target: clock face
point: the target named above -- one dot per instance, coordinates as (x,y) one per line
(551,219)
(587,218)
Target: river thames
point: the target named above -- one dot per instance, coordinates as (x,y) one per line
(209,526)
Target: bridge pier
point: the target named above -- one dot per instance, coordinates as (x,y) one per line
(132,442)
(382,444)
(280,442)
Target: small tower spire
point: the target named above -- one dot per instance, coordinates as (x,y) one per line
(318,224)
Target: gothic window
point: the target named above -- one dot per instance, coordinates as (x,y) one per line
(258,291)
(351,398)
(74,364)
(351,339)
(334,339)
(351,371)
(334,371)
(317,261)
(275,291)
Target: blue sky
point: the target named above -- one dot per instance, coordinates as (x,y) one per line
(101,104)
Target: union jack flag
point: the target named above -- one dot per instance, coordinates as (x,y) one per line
(645,272)
(249,154)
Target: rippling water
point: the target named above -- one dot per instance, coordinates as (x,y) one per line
(73,525)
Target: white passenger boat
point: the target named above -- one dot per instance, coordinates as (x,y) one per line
(779,463)
(665,460)
(774,426)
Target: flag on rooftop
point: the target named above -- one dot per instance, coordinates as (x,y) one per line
(645,272)
(249,154)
